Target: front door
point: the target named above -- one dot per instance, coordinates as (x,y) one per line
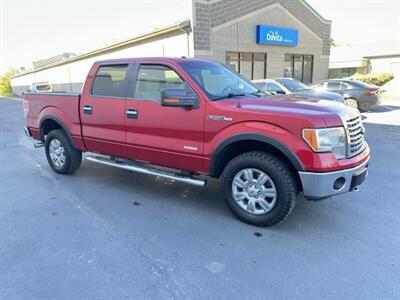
(103,111)
(167,136)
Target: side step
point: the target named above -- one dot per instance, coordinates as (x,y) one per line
(149,171)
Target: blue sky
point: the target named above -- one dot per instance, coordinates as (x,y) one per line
(32,30)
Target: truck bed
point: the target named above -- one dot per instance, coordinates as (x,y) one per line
(62,106)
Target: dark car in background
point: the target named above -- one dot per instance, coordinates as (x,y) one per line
(294,87)
(356,93)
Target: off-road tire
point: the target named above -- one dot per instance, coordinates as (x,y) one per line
(73,157)
(281,175)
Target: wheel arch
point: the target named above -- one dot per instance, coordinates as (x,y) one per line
(49,123)
(245,142)
(348,96)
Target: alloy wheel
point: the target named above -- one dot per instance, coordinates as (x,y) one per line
(254,191)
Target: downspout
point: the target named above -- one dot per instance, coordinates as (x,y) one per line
(187,28)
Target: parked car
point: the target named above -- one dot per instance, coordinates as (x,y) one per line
(356,93)
(42,87)
(291,86)
(186,119)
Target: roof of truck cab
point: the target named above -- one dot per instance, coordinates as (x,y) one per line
(149,59)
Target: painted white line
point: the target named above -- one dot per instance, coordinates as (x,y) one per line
(11,98)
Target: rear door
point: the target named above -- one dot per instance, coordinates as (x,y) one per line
(103,110)
(167,136)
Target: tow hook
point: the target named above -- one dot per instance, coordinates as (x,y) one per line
(38,145)
(354,189)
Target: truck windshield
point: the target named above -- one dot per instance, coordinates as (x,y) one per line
(218,81)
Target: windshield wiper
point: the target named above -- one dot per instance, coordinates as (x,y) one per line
(230,95)
(259,93)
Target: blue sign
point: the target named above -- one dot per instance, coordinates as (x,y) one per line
(277,35)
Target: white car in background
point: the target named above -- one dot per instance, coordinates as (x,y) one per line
(41,87)
(291,86)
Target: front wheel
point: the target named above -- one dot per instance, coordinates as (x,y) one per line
(61,155)
(259,188)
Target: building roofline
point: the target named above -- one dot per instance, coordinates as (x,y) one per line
(180,26)
(382,56)
(316,12)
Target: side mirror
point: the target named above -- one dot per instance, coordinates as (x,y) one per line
(281,92)
(178,98)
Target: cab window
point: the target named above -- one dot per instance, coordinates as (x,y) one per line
(151,79)
(109,81)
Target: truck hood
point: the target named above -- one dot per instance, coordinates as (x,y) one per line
(294,103)
(292,106)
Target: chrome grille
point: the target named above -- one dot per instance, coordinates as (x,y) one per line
(355,135)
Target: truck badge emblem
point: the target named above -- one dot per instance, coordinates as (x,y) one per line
(219,118)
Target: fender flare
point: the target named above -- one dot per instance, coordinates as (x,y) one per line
(59,122)
(286,151)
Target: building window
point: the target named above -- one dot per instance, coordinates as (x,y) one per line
(250,65)
(341,72)
(299,67)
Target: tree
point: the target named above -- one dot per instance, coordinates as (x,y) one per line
(334,43)
(5,84)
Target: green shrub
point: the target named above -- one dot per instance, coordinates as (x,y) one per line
(5,84)
(378,79)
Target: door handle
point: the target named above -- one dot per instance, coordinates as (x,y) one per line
(87,109)
(132,113)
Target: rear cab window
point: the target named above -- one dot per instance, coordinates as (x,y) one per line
(109,81)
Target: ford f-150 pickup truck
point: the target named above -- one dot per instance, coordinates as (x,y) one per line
(185,119)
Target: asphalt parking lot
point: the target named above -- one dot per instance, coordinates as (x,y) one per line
(104,233)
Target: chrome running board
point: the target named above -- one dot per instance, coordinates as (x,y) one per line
(144,170)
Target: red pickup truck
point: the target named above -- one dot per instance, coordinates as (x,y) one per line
(185,119)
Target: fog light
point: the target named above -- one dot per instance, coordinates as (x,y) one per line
(339,183)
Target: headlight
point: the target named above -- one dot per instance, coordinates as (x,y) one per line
(327,140)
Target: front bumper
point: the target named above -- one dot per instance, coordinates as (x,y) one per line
(323,185)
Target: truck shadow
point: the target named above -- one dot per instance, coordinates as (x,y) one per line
(124,188)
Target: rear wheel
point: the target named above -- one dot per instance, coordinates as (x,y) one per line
(61,155)
(351,102)
(259,188)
